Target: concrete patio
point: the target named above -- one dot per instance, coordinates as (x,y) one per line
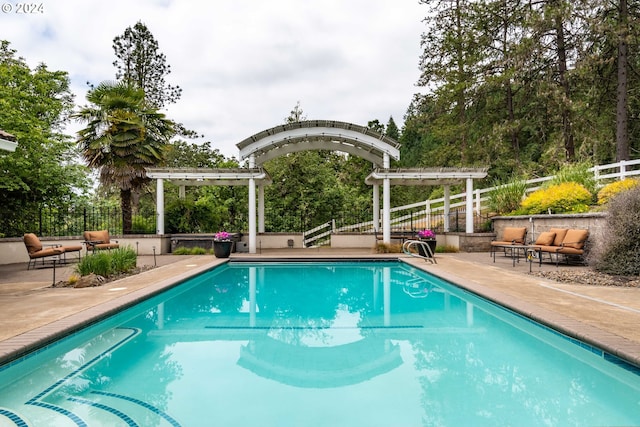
(32,313)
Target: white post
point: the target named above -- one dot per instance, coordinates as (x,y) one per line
(623,169)
(447,207)
(376,207)
(160,206)
(260,208)
(469,213)
(478,202)
(386,204)
(252,208)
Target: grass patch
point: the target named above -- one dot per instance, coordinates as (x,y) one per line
(192,251)
(106,263)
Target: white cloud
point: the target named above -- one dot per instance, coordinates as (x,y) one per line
(242,64)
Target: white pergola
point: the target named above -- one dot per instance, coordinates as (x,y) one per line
(316,135)
(430,177)
(201,176)
(325,135)
(7,141)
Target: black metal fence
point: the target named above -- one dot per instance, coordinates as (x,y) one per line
(73,221)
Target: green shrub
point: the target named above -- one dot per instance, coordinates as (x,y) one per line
(568,197)
(575,172)
(611,189)
(618,247)
(123,260)
(182,251)
(106,263)
(190,251)
(143,225)
(98,263)
(507,197)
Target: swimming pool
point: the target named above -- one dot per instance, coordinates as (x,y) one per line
(322,344)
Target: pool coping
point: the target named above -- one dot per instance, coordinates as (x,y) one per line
(15,348)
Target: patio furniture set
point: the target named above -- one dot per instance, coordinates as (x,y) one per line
(565,243)
(93,241)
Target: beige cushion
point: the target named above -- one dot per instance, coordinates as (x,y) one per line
(514,234)
(545,239)
(560,233)
(93,236)
(32,243)
(575,239)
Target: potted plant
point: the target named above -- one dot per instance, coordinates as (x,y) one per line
(222,244)
(429,237)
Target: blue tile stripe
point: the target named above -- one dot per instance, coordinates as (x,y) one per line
(272,328)
(73,417)
(109,409)
(14,417)
(36,400)
(153,409)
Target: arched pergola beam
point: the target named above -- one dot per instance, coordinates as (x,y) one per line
(318,143)
(325,134)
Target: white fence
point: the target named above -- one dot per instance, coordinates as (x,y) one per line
(602,173)
(424,214)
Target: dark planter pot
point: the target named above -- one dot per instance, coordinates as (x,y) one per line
(222,249)
(432,246)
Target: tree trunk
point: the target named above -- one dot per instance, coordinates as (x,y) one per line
(622,132)
(567,132)
(125,204)
(462,101)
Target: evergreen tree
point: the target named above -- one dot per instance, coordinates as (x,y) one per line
(139,63)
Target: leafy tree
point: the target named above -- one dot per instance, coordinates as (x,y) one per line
(204,209)
(42,171)
(124,135)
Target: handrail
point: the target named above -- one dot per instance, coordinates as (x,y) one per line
(420,245)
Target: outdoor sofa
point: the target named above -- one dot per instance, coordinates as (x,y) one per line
(568,242)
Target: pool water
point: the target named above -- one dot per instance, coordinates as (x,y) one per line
(317,344)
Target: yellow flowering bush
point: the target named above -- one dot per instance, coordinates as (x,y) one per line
(568,197)
(611,189)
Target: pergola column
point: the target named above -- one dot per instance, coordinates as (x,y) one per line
(252,208)
(386,203)
(160,205)
(447,207)
(260,208)
(469,213)
(376,207)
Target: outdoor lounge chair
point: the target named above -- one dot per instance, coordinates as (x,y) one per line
(99,240)
(36,250)
(511,237)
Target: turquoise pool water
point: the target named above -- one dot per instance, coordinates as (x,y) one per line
(317,344)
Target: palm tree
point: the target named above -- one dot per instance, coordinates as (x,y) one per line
(124,135)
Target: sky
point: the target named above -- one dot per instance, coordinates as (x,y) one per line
(243,65)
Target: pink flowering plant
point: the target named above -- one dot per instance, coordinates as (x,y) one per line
(222,236)
(426,234)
